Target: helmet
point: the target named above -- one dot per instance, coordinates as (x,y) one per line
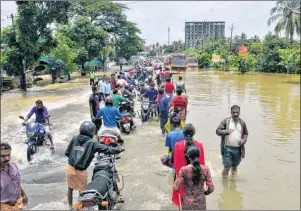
(189,130)
(87,128)
(109,101)
(175,121)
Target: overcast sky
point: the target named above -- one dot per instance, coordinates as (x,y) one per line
(154,17)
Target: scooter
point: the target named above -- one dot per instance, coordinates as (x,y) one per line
(35,137)
(145,105)
(127,124)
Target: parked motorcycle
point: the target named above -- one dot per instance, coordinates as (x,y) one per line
(35,137)
(103,192)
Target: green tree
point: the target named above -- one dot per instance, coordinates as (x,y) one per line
(269,60)
(64,53)
(255,48)
(129,42)
(108,15)
(290,59)
(288,15)
(204,60)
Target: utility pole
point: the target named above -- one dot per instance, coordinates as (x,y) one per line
(231,28)
(23,72)
(12,18)
(168,35)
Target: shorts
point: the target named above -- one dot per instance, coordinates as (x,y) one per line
(231,156)
(108,130)
(47,130)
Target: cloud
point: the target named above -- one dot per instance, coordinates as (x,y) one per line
(154,17)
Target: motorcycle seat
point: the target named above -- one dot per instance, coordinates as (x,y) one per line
(100,184)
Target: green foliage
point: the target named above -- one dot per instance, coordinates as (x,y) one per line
(129,42)
(204,60)
(255,48)
(269,60)
(290,59)
(64,53)
(288,15)
(233,61)
(192,53)
(251,63)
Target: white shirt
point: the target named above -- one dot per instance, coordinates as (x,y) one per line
(100,83)
(235,136)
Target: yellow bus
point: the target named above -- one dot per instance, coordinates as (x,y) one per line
(178,62)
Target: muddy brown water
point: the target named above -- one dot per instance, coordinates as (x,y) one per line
(268,178)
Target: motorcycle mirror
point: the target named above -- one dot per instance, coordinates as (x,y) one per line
(21,117)
(117,157)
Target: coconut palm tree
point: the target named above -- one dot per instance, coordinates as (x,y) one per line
(288,15)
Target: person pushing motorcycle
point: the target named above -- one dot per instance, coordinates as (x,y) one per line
(80,152)
(41,113)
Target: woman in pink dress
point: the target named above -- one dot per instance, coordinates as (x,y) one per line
(197,182)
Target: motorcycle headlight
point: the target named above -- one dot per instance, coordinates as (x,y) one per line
(30,134)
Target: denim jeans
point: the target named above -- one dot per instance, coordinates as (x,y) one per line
(163,121)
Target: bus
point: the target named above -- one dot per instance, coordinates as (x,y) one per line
(178,62)
(192,62)
(166,61)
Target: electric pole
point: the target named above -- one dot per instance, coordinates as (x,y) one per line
(231,28)
(168,35)
(12,18)
(23,72)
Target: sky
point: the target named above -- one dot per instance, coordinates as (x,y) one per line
(154,17)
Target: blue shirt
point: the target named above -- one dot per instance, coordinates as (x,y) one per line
(106,88)
(40,114)
(151,94)
(142,91)
(109,115)
(164,108)
(173,137)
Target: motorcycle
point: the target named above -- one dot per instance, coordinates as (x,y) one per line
(127,124)
(127,106)
(35,137)
(145,105)
(102,193)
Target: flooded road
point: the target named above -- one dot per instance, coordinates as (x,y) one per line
(268,178)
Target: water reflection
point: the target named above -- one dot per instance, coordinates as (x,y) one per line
(230,198)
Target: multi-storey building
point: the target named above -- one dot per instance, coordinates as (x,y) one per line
(197,31)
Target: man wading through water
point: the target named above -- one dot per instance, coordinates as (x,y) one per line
(234,133)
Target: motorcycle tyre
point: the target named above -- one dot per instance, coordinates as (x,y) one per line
(30,152)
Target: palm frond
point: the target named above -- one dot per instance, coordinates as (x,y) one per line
(273,18)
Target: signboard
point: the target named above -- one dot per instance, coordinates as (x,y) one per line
(243,51)
(143,53)
(216,58)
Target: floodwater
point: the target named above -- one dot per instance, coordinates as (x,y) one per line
(268,178)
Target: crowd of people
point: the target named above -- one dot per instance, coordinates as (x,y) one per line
(186,156)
